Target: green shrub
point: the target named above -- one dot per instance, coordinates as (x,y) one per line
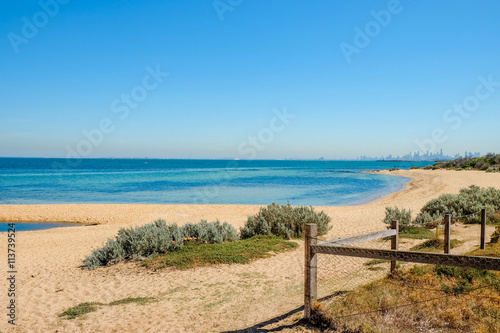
(465,205)
(426,219)
(152,239)
(112,252)
(395,214)
(212,232)
(284,220)
(479,163)
(149,239)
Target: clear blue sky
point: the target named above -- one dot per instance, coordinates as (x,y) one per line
(354,85)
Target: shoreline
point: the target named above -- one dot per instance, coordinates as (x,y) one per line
(50,278)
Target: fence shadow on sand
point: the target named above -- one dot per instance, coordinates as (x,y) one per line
(260,327)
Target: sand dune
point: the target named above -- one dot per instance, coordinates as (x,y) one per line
(209,299)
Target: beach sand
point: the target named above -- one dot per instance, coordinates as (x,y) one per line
(207,299)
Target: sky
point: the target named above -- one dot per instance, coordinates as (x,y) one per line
(248,79)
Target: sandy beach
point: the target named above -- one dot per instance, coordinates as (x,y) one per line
(208,299)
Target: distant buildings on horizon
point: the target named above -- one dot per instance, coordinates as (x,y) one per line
(428,156)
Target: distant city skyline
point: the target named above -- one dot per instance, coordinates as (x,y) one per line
(416,156)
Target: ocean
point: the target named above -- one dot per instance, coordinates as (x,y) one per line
(160,181)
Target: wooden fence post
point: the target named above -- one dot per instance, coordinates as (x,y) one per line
(394,242)
(311,270)
(447,223)
(483,228)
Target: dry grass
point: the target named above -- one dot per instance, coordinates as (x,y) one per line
(425,298)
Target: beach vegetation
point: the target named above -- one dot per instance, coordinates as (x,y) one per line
(396,214)
(80,310)
(435,245)
(210,232)
(156,238)
(241,252)
(464,206)
(284,220)
(490,163)
(84,308)
(491,250)
(417,232)
(135,300)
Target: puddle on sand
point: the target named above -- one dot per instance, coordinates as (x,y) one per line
(32,226)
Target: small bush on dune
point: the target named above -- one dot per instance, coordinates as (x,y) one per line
(486,162)
(213,232)
(150,239)
(426,219)
(444,204)
(285,221)
(395,214)
(112,252)
(465,205)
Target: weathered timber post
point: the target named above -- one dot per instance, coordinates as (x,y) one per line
(394,242)
(311,270)
(447,223)
(483,228)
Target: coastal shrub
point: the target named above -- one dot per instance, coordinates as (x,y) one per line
(285,221)
(428,220)
(463,206)
(395,214)
(213,232)
(112,252)
(486,162)
(156,238)
(149,239)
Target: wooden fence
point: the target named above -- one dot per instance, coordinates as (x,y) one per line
(340,246)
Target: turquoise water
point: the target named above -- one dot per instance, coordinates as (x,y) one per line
(318,183)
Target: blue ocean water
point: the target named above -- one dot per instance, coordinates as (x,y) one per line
(155,181)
